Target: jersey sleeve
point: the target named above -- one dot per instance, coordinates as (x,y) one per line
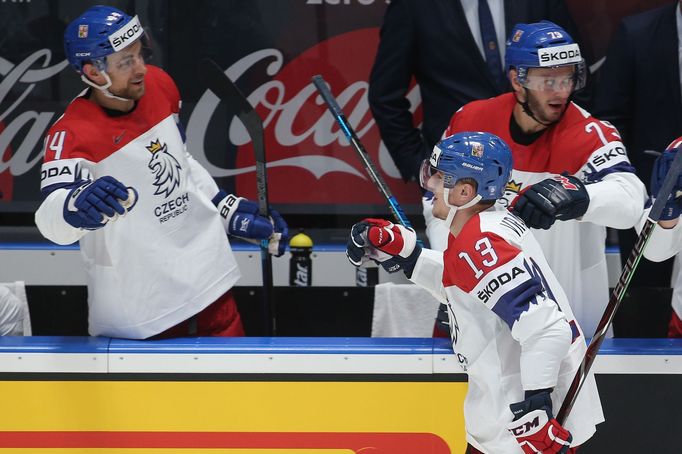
(62,164)
(663,243)
(617,195)
(61,171)
(498,275)
(428,273)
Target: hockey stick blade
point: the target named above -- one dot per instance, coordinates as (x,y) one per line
(621,287)
(347,129)
(237,104)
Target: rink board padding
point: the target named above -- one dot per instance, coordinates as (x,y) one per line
(290,395)
(254,416)
(247,396)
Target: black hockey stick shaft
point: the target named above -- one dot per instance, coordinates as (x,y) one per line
(237,105)
(347,129)
(621,287)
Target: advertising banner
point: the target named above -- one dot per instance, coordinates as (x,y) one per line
(271,50)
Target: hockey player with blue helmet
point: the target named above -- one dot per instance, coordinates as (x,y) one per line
(160,261)
(543,57)
(96,35)
(571,176)
(512,328)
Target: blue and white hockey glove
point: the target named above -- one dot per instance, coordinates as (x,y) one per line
(92,204)
(561,197)
(241,219)
(392,246)
(535,428)
(673,206)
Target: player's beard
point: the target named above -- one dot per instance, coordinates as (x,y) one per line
(132,91)
(542,112)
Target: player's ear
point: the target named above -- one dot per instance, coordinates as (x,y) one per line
(91,72)
(466,192)
(514,79)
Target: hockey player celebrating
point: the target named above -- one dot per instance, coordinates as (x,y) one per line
(666,239)
(150,220)
(571,176)
(512,328)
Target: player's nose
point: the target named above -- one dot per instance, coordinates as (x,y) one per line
(140,68)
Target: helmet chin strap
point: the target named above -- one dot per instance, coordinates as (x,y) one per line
(103,88)
(526,109)
(453,208)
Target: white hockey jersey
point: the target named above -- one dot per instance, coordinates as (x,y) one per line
(169,257)
(582,146)
(511,325)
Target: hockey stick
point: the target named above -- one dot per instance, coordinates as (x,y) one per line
(347,129)
(237,105)
(621,287)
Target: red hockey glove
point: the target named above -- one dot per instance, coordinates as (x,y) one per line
(393,246)
(535,428)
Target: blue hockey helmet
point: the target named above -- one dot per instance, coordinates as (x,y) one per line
(480,156)
(543,45)
(98,32)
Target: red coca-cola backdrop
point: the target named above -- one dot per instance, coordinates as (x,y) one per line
(271,49)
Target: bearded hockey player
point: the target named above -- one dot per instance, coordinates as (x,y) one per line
(571,177)
(150,220)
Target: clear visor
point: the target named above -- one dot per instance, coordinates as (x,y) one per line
(545,83)
(432,179)
(548,83)
(123,61)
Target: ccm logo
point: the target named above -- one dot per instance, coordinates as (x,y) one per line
(497,282)
(525,427)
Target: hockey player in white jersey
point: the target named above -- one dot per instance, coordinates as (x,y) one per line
(666,238)
(549,136)
(150,220)
(512,328)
